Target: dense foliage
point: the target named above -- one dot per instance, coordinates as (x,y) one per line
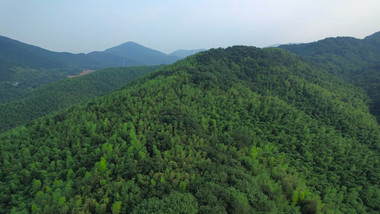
(60,94)
(240,130)
(356,60)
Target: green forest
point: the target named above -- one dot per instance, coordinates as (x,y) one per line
(235,130)
(355,60)
(63,93)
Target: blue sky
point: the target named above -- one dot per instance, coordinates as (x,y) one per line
(167,25)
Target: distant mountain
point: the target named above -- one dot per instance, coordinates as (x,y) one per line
(141,55)
(63,93)
(24,67)
(184,53)
(15,53)
(355,60)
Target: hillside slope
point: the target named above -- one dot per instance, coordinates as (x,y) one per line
(55,96)
(236,130)
(356,60)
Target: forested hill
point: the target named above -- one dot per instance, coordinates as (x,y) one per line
(356,60)
(63,93)
(236,130)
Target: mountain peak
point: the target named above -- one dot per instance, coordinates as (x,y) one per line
(126,46)
(130,43)
(140,53)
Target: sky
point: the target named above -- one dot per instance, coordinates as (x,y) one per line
(82,26)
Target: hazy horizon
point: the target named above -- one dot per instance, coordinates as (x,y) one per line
(168,25)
